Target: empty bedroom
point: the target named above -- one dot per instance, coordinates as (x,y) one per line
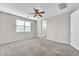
(39,29)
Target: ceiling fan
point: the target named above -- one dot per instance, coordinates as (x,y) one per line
(37,12)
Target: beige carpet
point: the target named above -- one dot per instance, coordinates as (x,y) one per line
(37,47)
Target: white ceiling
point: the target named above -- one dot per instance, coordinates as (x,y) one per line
(23,9)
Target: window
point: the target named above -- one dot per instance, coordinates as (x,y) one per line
(23,26)
(27,26)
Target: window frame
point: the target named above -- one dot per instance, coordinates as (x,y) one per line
(24,30)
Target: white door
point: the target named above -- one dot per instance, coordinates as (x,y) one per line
(75,29)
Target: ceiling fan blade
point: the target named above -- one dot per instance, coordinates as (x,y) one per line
(40,15)
(41,12)
(34,16)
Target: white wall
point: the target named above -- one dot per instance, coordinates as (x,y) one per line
(58,28)
(8,28)
(75,29)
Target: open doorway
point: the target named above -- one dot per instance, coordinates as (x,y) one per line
(44,29)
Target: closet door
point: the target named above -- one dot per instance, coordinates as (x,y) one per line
(74,19)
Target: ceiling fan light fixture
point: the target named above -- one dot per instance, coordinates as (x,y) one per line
(37,12)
